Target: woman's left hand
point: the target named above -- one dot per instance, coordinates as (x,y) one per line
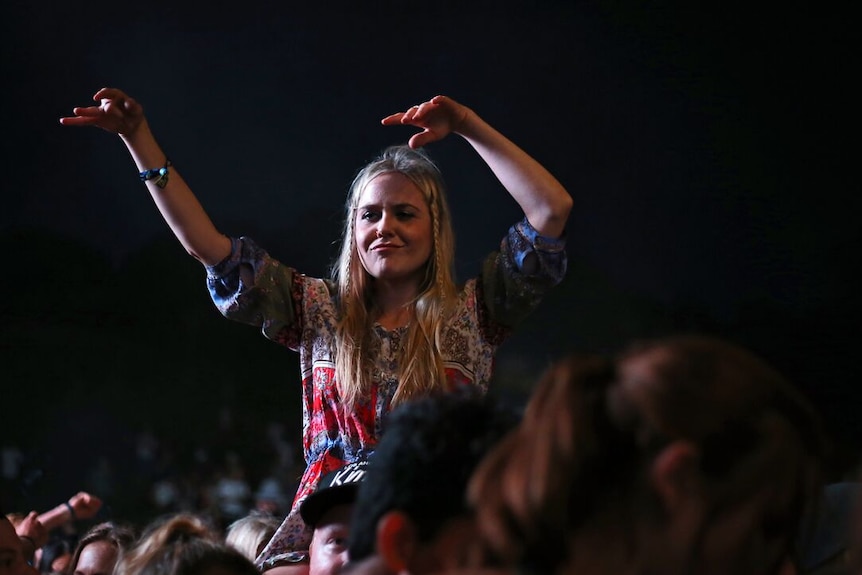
(437,117)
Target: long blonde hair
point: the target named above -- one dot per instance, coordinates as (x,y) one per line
(420,362)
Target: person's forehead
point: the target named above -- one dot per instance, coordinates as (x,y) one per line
(391,188)
(96,552)
(335,516)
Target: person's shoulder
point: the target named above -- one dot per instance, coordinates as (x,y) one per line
(317,291)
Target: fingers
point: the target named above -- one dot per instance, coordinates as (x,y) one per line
(77,121)
(392,119)
(401,117)
(436,118)
(91,111)
(83,116)
(412,114)
(420,112)
(116,112)
(110,94)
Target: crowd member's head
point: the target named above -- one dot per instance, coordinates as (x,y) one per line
(183,545)
(100,549)
(683,455)
(328,511)
(412,183)
(13,555)
(12,560)
(411,512)
(31,533)
(251,533)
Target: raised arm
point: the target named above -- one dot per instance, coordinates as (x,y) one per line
(122,115)
(544,200)
(82,505)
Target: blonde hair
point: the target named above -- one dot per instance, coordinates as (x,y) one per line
(183,544)
(420,362)
(249,534)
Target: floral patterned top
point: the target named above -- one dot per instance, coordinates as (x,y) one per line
(301,313)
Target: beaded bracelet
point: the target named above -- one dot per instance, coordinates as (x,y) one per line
(160,175)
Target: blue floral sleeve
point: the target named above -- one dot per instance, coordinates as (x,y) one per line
(251,287)
(515,278)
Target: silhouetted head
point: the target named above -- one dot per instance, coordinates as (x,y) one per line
(688,453)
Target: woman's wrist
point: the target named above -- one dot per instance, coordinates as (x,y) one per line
(138,135)
(72,515)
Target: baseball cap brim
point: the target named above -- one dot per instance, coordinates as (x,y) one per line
(317,504)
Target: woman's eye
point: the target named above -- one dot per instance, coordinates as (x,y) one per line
(339,543)
(369,215)
(405,215)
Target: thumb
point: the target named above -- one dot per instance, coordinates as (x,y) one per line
(423,138)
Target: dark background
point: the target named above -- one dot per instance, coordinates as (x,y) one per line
(710,150)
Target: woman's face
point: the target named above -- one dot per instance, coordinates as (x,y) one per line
(97,558)
(393,230)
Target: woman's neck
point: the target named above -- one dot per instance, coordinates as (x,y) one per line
(393,304)
(394,319)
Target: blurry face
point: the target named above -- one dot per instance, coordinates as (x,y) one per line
(11,559)
(328,549)
(97,558)
(393,229)
(453,547)
(59,564)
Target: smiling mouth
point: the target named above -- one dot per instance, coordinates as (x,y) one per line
(384,247)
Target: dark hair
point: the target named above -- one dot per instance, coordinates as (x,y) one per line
(594,424)
(421,466)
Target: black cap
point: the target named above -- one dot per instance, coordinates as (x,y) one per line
(336,488)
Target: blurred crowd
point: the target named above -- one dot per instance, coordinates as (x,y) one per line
(678,456)
(163,474)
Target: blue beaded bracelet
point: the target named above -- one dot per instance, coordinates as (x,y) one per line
(160,175)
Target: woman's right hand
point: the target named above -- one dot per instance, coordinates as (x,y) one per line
(117,113)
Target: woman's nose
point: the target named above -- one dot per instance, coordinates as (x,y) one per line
(384,225)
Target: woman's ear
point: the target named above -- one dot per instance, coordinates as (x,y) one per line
(396,541)
(675,475)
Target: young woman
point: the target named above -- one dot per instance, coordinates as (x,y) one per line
(391,323)
(100,549)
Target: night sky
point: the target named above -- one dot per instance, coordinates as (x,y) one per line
(710,152)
